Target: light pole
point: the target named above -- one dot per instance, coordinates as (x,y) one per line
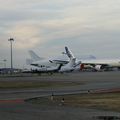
(4,63)
(11,40)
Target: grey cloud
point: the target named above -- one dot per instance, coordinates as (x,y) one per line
(87,26)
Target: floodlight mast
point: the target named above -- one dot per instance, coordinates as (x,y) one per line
(11,40)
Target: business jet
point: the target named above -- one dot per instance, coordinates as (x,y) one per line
(46,64)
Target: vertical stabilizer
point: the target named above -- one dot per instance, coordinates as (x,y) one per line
(69,53)
(71,62)
(69,66)
(34,56)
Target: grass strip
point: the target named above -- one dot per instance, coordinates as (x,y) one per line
(36,84)
(105,101)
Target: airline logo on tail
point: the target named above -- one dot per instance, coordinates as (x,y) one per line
(69,53)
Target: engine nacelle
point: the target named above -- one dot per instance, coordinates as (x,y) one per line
(81,66)
(98,67)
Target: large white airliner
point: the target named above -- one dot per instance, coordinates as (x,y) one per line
(97,64)
(101,64)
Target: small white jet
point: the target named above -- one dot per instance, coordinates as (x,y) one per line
(46,64)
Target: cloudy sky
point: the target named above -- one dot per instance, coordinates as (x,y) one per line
(88,27)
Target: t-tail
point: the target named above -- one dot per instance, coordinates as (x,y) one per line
(68,67)
(69,53)
(73,61)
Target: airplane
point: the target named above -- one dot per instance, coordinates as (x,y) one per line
(56,64)
(63,64)
(45,64)
(96,64)
(101,64)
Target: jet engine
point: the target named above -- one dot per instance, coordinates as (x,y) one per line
(81,66)
(98,67)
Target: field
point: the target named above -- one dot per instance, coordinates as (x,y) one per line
(36,84)
(106,101)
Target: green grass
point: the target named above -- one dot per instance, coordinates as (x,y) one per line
(36,84)
(106,101)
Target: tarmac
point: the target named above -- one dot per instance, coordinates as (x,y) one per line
(13,106)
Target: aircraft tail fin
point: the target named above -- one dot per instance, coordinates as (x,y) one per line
(68,67)
(69,53)
(34,56)
(72,62)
